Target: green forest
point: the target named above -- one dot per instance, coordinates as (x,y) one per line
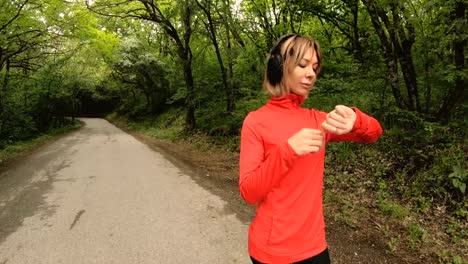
(195,67)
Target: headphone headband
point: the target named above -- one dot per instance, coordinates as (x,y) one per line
(276,49)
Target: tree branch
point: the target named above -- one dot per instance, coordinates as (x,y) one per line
(15,16)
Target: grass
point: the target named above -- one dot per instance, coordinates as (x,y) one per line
(174,131)
(446,257)
(416,234)
(16,149)
(392,209)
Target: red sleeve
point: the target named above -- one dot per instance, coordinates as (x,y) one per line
(366,130)
(258,173)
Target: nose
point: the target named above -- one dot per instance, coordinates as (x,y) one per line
(311,72)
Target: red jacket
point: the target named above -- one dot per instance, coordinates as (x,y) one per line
(287,188)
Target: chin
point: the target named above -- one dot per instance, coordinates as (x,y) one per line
(305,93)
(302,91)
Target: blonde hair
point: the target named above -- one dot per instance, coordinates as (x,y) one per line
(292,51)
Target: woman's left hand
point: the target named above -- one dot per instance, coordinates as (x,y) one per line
(339,121)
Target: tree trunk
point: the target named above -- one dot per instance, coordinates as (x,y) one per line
(186,56)
(427,86)
(154,13)
(212,32)
(233,83)
(389,56)
(230,25)
(397,49)
(409,75)
(183,51)
(267,25)
(403,42)
(291,18)
(190,99)
(456,94)
(2,89)
(356,43)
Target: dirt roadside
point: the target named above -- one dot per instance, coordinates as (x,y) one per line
(217,171)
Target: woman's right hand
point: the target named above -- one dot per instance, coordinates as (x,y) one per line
(307,140)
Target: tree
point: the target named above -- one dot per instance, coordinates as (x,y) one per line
(206,7)
(394,25)
(24,41)
(144,72)
(397,38)
(342,15)
(175,20)
(459,32)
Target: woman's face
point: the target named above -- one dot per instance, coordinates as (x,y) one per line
(302,78)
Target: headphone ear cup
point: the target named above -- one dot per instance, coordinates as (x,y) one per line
(275,63)
(275,69)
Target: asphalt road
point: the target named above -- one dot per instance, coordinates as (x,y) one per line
(98,195)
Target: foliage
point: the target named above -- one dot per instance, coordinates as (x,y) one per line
(16,149)
(433,156)
(144,74)
(152,62)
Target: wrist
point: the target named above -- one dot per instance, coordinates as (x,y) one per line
(357,119)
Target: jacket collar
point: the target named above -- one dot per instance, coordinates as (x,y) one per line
(286,102)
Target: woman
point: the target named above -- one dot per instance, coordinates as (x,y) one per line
(282,156)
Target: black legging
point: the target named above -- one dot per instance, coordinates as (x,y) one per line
(322,258)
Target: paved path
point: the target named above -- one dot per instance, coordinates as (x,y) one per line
(100,196)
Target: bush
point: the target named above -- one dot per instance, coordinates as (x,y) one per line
(428,159)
